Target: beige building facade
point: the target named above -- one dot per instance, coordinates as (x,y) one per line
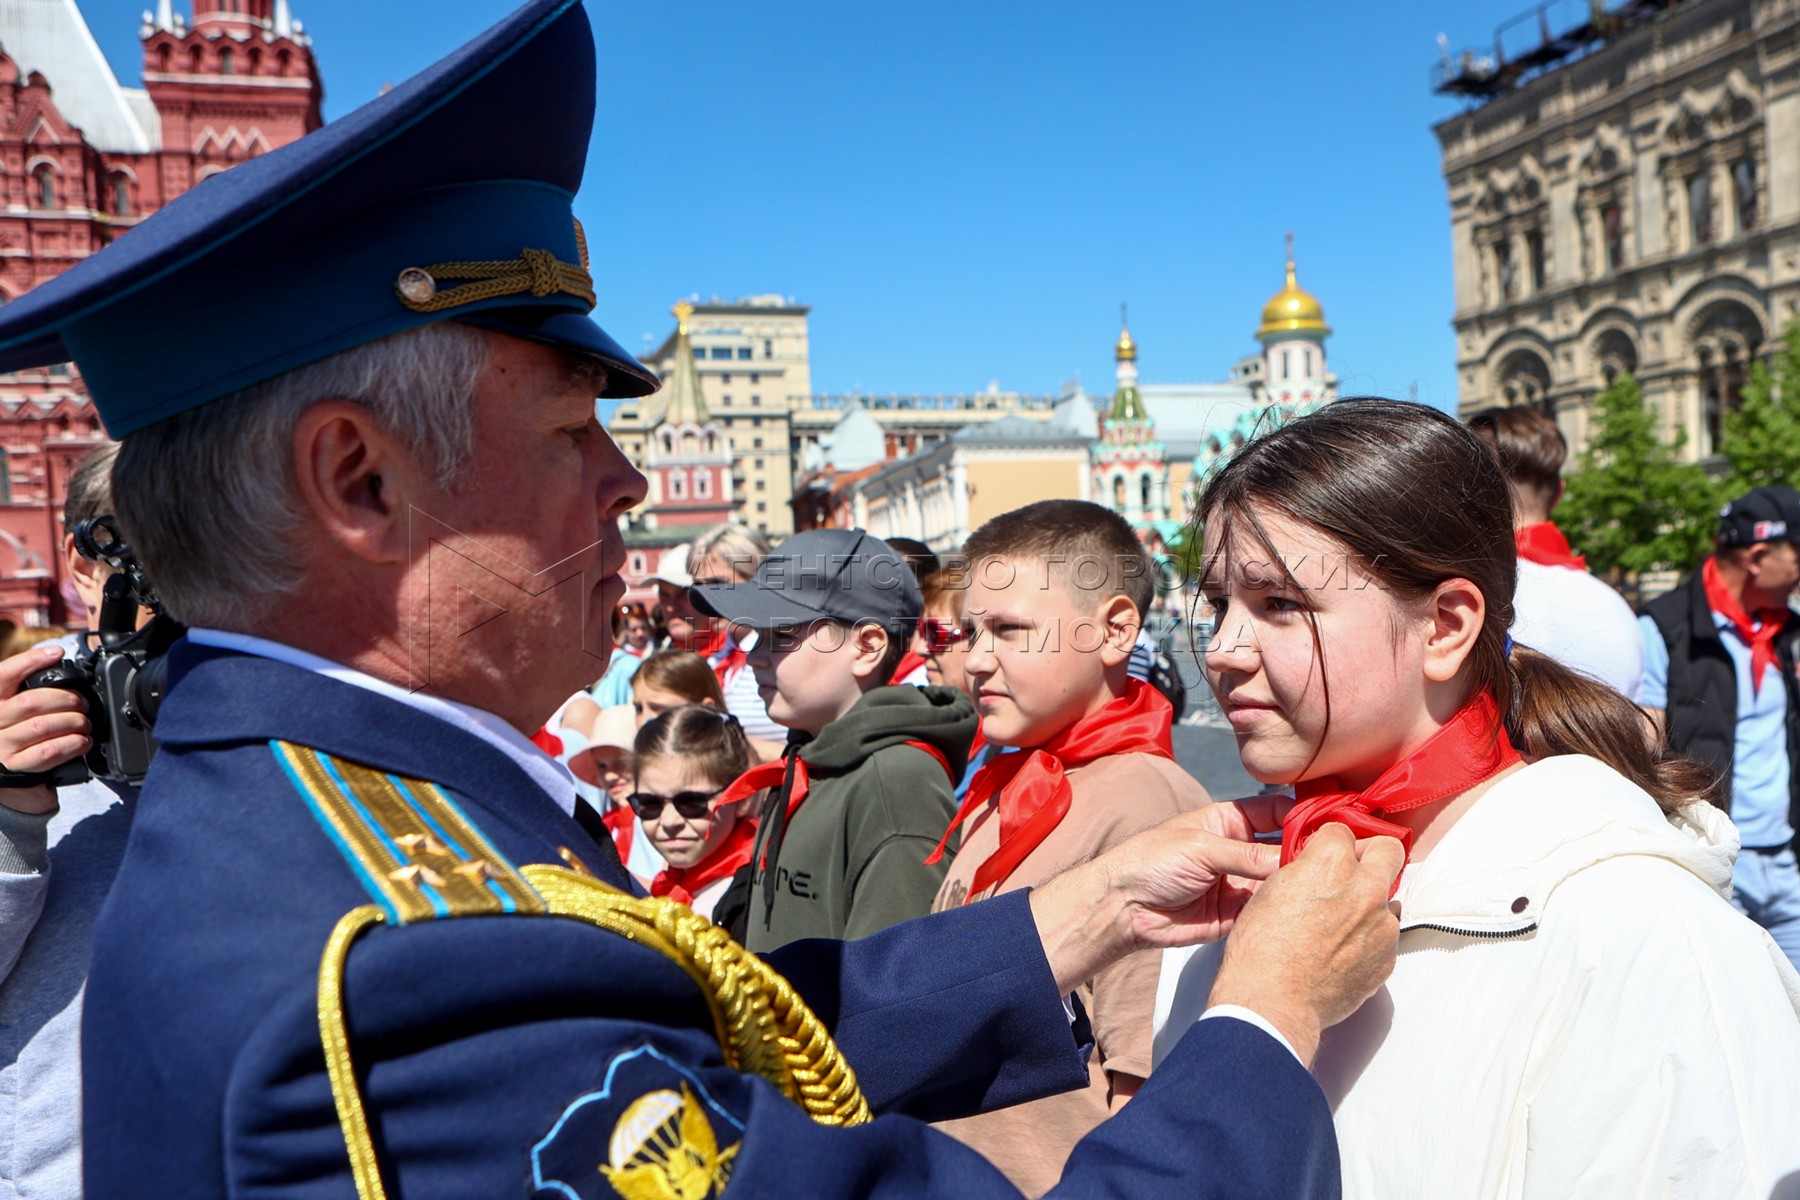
(979,472)
(753,361)
(1637,209)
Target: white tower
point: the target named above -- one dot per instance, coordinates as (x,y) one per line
(1293,337)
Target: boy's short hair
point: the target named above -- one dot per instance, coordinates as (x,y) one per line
(1092,549)
(1531,450)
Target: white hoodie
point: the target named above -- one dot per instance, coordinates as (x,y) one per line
(1577,1010)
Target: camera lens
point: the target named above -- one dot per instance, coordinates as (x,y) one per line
(147,687)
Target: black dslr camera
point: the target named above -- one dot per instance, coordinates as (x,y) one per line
(121,670)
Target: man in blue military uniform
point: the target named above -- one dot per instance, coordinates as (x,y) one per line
(359,944)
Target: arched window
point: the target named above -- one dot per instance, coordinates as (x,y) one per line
(1525,381)
(43,179)
(5,481)
(703,484)
(1309,373)
(1616,354)
(1284,364)
(1144,492)
(194,53)
(1119,492)
(227,61)
(1726,339)
(162,57)
(678,485)
(120,184)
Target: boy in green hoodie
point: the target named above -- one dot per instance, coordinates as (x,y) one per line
(865,788)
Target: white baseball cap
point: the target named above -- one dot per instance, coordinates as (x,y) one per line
(672,567)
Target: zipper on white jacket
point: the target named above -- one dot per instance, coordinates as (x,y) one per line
(1484,934)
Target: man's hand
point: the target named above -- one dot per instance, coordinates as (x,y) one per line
(1183,882)
(1317,939)
(39,729)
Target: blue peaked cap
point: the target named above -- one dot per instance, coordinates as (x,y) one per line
(450,197)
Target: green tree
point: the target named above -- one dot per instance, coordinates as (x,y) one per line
(1633,506)
(1762,434)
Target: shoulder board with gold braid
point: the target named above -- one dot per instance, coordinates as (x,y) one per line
(422,859)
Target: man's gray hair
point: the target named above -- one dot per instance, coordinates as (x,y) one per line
(739,547)
(209,496)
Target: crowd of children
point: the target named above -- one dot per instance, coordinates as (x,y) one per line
(954,730)
(950,731)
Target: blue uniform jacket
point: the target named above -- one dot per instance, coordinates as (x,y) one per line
(538,1056)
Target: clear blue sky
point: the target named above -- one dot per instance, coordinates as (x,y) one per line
(965,192)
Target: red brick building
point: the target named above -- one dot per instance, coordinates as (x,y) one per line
(82,160)
(688,465)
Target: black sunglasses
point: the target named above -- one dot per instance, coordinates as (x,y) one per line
(690,805)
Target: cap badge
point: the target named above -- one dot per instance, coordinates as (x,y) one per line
(537,272)
(415,286)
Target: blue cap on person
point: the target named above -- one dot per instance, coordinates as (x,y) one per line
(1764,514)
(423,205)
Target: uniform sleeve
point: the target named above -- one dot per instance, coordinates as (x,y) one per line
(24,880)
(895,824)
(1654,692)
(608,1083)
(946,1016)
(1676,1068)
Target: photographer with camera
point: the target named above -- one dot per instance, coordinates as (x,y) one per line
(59,850)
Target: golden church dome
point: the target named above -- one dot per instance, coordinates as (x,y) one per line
(1126,350)
(1293,309)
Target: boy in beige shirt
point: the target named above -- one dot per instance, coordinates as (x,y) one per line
(1055,596)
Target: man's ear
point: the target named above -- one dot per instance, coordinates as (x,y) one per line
(354,479)
(869,645)
(1454,615)
(1118,620)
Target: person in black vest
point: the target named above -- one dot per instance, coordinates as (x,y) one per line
(1719,682)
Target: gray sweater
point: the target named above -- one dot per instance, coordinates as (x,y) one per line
(54,872)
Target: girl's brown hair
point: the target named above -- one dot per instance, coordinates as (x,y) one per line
(1416,499)
(684,673)
(709,740)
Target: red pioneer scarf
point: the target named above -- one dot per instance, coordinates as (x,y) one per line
(1033,791)
(621,824)
(909,662)
(684,883)
(1471,748)
(1545,545)
(772,774)
(706,643)
(1761,641)
(731,659)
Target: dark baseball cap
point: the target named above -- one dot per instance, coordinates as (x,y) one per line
(1767,514)
(824,574)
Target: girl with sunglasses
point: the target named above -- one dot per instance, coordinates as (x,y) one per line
(686,758)
(1577,1010)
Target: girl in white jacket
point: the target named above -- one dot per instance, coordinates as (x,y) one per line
(1577,1010)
